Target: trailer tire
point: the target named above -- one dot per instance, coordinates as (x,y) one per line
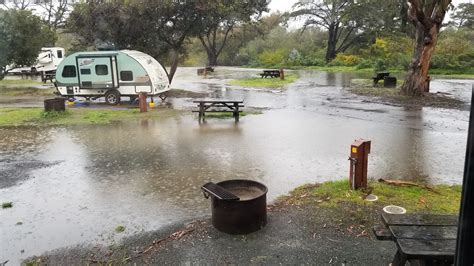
(112,97)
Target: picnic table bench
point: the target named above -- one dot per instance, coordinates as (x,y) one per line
(270,73)
(425,237)
(213,106)
(380,76)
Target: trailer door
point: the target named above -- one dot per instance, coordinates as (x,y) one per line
(97,72)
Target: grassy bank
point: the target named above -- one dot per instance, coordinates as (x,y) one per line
(8,82)
(364,87)
(441,199)
(26,91)
(72,116)
(265,82)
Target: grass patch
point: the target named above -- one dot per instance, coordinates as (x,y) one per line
(120,229)
(26,91)
(392,95)
(7,205)
(443,199)
(36,116)
(19,82)
(265,82)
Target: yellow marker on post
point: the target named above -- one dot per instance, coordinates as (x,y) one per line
(354,149)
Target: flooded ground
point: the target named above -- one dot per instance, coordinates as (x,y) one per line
(76,184)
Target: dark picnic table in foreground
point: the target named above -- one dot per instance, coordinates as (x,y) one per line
(220,106)
(425,237)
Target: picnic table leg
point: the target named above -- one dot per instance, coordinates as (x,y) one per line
(399,259)
(201,111)
(236,112)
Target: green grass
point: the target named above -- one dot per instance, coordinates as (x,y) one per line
(120,229)
(72,116)
(392,95)
(265,82)
(441,199)
(19,82)
(7,205)
(26,91)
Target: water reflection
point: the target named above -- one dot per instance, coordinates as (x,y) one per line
(147,173)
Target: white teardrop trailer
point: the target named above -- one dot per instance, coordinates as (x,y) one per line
(111,74)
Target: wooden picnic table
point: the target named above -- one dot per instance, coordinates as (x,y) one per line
(270,73)
(425,237)
(218,106)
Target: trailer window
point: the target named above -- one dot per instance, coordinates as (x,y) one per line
(69,72)
(126,75)
(60,54)
(101,70)
(85,71)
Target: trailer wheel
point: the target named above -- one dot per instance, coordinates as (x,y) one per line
(112,97)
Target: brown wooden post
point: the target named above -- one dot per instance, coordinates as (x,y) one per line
(142,102)
(282,74)
(360,150)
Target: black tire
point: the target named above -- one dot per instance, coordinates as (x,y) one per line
(112,97)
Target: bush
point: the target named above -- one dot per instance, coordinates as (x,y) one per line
(272,58)
(365,64)
(345,60)
(380,65)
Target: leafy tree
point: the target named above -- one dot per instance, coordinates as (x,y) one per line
(336,17)
(155,27)
(464,16)
(427,17)
(218,19)
(22,35)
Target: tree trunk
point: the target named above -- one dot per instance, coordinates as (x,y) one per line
(417,81)
(332,42)
(212,57)
(2,72)
(174,64)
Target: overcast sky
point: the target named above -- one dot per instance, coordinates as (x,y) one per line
(285,5)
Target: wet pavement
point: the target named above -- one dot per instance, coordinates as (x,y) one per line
(76,184)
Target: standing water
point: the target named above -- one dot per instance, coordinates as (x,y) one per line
(76,184)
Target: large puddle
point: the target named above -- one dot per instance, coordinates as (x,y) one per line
(72,185)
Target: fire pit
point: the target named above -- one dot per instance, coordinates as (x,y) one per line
(238,206)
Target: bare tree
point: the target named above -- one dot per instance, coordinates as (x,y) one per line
(427,16)
(54,12)
(17,4)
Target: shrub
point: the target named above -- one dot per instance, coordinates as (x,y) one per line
(365,64)
(272,58)
(345,60)
(380,65)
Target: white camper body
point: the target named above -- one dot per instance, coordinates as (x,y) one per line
(46,63)
(111,74)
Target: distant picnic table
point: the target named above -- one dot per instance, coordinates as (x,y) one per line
(270,73)
(425,237)
(221,106)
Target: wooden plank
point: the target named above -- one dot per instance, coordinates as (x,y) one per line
(216,101)
(218,111)
(419,219)
(382,233)
(424,232)
(427,249)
